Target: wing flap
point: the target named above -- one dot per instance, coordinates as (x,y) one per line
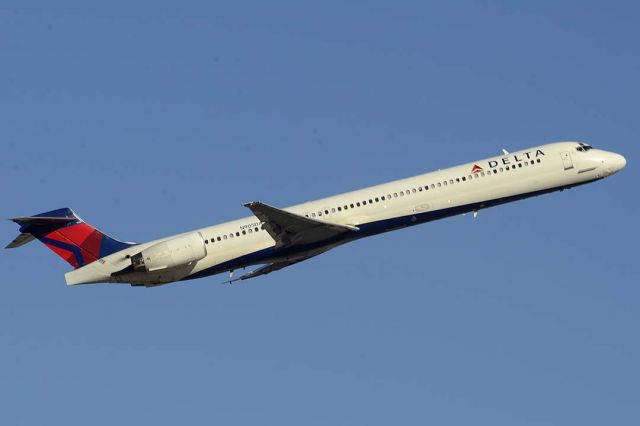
(269,268)
(263,270)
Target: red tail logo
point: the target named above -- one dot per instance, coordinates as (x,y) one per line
(476,169)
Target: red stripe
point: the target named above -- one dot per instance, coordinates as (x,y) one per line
(66,255)
(81,235)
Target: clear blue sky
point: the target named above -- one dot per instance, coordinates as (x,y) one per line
(158,117)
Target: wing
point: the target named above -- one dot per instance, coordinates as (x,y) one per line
(290,229)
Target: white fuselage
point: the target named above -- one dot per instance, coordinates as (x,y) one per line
(443,193)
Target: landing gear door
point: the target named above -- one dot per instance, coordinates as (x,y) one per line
(566,160)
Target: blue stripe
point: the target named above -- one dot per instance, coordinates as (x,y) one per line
(73,249)
(109,245)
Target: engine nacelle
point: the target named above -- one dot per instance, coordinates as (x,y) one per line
(170,253)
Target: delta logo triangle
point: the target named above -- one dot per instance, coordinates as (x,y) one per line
(476,169)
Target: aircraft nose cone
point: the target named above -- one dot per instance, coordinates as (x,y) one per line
(619,161)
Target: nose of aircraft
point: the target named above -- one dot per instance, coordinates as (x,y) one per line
(618,162)
(611,162)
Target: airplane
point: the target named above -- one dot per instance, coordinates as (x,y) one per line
(276,238)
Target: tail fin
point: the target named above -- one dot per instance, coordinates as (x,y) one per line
(67,235)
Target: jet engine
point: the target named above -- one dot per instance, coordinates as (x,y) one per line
(170,253)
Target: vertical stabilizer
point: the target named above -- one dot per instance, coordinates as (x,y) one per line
(63,232)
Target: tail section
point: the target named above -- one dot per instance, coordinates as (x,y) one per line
(67,235)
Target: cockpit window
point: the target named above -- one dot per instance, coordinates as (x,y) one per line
(583,147)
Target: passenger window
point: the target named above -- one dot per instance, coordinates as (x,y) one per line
(231,235)
(377,200)
(319,213)
(538,160)
(224,236)
(326,212)
(333,209)
(433,186)
(482,174)
(383,198)
(439,184)
(256,229)
(339,209)
(420,188)
(358,204)
(218,238)
(237,234)
(458,180)
(414,190)
(402,193)
(444,183)
(370,201)
(395,195)
(426,188)
(351,205)
(364,203)
(244,232)
(313,215)
(519,164)
(206,241)
(251,230)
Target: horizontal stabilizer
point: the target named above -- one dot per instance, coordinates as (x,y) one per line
(42,221)
(21,240)
(30,225)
